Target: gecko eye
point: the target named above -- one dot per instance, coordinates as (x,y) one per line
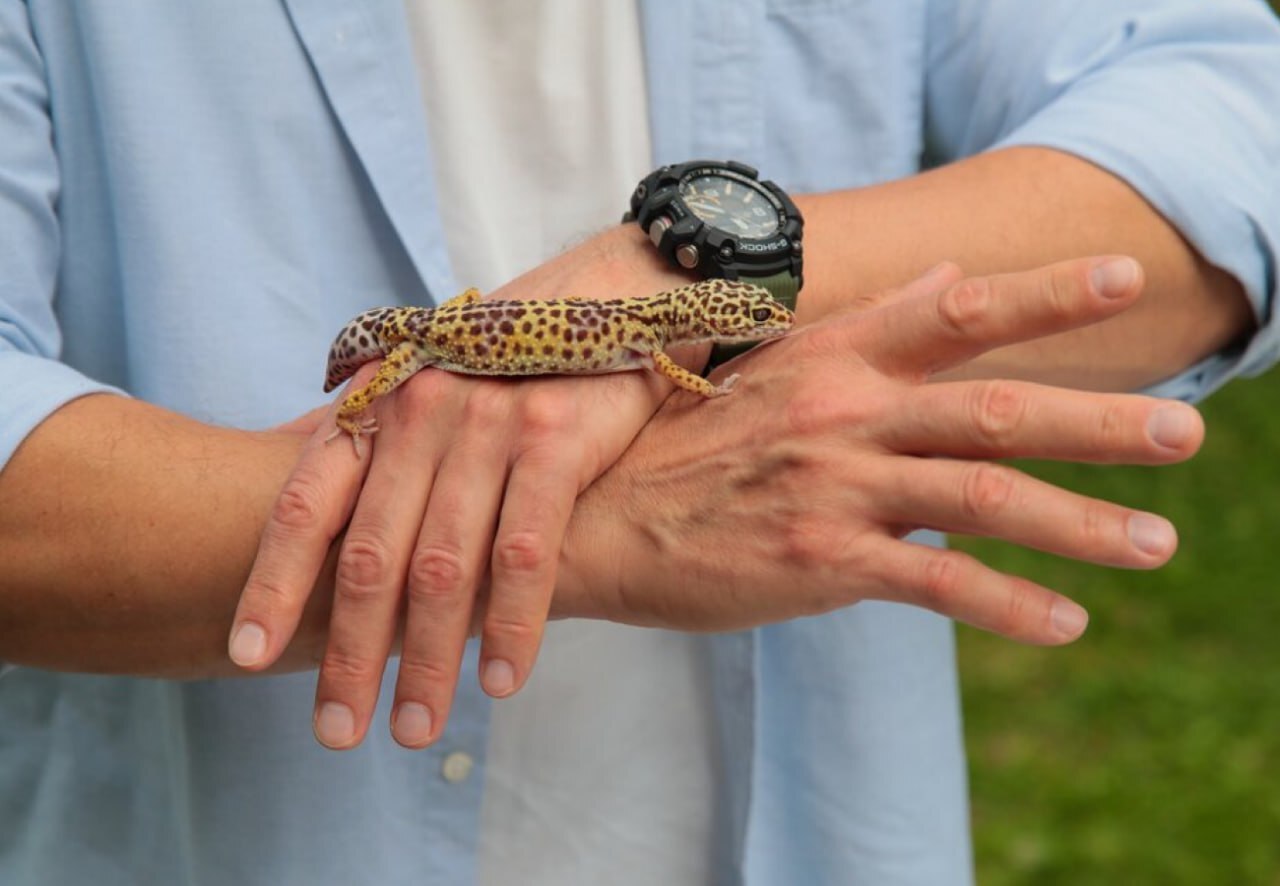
(761,314)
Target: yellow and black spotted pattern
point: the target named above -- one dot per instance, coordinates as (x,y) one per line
(569,336)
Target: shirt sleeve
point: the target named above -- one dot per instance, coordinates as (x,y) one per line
(1180,98)
(32,381)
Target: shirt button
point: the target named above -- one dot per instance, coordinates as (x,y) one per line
(456,766)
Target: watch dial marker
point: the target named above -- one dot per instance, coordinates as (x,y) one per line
(728,202)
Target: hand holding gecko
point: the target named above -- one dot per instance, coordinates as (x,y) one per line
(470,484)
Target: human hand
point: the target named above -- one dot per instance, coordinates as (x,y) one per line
(793,496)
(469,478)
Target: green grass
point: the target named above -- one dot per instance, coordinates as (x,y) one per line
(1148,752)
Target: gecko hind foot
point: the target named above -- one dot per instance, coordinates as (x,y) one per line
(356,429)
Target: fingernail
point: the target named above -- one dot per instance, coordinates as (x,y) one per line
(1070,619)
(1113,277)
(499,678)
(248,644)
(1172,426)
(335,725)
(1151,534)
(411,724)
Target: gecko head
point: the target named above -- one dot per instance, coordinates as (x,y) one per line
(733,311)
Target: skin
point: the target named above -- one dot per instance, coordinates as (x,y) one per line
(163,598)
(825,487)
(1045,206)
(1200,311)
(433,527)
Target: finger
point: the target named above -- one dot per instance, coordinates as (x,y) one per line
(313,506)
(930,283)
(934,332)
(980,498)
(1011,419)
(368,586)
(526,552)
(447,564)
(958,586)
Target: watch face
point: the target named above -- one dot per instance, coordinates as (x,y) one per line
(732,203)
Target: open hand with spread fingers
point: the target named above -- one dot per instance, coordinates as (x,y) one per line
(794,496)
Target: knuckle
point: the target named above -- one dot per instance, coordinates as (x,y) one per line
(341,667)
(964,306)
(823,341)
(947,268)
(486,406)
(546,413)
(521,552)
(265,597)
(435,572)
(817,341)
(811,413)
(423,393)
(298,508)
(1012,619)
(363,569)
(419,673)
(506,632)
(1060,294)
(806,543)
(942,580)
(986,491)
(998,413)
(1114,427)
(1095,530)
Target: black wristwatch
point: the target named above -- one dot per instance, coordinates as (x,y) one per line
(717,219)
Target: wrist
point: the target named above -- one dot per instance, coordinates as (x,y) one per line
(616,263)
(627,264)
(597,557)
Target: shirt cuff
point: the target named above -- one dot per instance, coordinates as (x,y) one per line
(37,386)
(1222,212)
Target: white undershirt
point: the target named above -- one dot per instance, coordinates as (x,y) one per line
(601,769)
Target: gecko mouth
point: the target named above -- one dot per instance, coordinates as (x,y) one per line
(754,335)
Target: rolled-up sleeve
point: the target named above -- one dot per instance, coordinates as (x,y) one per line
(1180,98)
(32,381)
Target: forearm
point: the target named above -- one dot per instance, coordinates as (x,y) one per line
(1015,209)
(126,533)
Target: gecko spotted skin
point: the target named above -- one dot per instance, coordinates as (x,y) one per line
(569,336)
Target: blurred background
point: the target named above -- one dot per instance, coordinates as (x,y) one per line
(1148,751)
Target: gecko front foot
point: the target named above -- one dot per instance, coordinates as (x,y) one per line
(350,425)
(725,386)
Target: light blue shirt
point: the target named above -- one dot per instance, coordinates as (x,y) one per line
(193,200)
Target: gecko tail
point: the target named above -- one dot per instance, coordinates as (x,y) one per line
(367,337)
